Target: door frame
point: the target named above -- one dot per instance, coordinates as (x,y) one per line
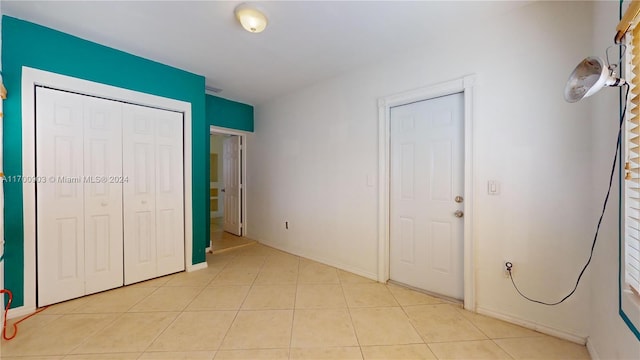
(243,166)
(464,85)
(34,77)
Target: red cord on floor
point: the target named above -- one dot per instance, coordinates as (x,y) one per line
(15,325)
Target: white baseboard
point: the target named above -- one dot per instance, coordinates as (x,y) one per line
(20,311)
(576,338)
(369,275)
(196,267)
(592,350)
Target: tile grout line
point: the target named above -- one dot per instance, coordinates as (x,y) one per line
(295,299)
(353,325)
(441,302)
(503,349)
(199,293)
(179,312)
(235,317)
(116,318)
(253,282)
(143,298)
(412,324)
(460,312)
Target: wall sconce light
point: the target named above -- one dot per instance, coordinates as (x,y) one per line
(251,19)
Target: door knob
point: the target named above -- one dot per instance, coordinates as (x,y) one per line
(458,213)
(459,199)
(104,203)
(144,201)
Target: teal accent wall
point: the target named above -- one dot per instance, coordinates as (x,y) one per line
(31,45)
(230,114)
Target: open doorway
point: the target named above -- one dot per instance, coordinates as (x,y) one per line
(226,189)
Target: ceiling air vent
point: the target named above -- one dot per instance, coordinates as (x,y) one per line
(212,89)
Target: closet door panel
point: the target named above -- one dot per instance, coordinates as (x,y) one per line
(169,192)
(59,202)
(103,183)
(138,146)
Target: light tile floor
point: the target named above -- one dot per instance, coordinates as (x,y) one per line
(255,302)
(222,241)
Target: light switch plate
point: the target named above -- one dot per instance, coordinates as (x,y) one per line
(371,180)
(493,187)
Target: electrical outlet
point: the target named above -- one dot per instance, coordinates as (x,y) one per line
(506,266)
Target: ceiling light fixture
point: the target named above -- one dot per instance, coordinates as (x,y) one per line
(251,19)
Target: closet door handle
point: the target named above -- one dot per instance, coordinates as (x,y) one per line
(143,202)
(104,203)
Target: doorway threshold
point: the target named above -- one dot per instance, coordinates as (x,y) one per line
(435,295)
(251,242)
(222,241)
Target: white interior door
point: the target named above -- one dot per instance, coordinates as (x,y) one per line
(232,187)
(427,169)
(153,193)
(78,144)
(138,142)
(103,194)
(169,192)
(59,203)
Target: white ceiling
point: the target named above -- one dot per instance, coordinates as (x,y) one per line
(304,43)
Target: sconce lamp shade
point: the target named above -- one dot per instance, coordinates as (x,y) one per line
(251,19)
(589,77)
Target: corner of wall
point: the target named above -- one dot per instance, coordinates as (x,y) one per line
(609,336)
(1,170)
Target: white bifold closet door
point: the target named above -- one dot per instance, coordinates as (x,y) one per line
(109,194)
(79,220)
(154,193)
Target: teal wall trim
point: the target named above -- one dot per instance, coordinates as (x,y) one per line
(31,45)
(230,114)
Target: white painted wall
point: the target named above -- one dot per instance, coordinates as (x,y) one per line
(609,336)
(313,150)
